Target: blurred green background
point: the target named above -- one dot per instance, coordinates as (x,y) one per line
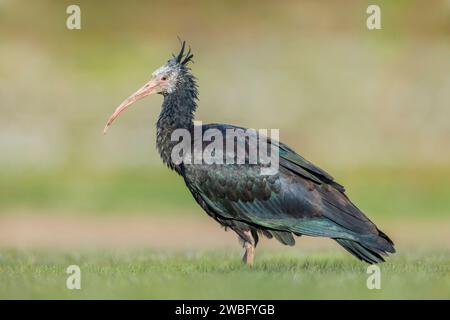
(370,107)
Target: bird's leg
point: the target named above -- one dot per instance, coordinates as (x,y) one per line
(249,249)
(249,253)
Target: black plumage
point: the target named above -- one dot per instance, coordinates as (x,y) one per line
(300,199)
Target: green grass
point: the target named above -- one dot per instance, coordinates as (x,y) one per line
(385,193)
(207,275)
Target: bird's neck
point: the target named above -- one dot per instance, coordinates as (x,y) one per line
(177,112)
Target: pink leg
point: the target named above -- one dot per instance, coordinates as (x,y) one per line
(249,249)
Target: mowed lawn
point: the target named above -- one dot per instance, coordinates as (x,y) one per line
(411,205)
(220,275)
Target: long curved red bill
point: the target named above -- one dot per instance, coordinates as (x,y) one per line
(146,90)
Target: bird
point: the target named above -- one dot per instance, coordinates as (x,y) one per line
(300,199)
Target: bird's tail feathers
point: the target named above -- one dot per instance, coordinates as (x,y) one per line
(370,250)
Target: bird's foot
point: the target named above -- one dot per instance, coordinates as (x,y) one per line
(249,253)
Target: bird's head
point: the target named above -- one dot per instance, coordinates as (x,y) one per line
(164,80)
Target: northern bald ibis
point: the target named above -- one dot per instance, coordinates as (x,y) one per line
(299,199)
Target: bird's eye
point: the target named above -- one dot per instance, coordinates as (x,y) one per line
(164,78)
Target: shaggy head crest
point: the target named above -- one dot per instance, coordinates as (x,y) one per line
(182,58)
